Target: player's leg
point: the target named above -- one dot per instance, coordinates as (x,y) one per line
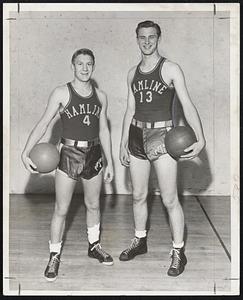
(92,178)
(166,170)
(140,170)
(92,188)
(64,187)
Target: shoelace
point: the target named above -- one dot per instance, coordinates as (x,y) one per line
(132,246)
(99,250)
(53,263)
(174,253)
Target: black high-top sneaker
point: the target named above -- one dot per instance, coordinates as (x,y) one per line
(138,246)
(51,271)
(178,261)
(96,251)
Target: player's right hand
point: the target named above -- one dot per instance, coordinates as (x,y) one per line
(28,163)
(124,156)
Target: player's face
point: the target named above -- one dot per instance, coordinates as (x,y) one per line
(83,67)
(148,40)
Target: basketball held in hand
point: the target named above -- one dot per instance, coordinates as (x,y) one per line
(45,156)
(178,139)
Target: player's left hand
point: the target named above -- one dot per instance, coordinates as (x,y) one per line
(193,150)
(108,173)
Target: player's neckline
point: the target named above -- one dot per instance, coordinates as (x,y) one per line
(152,70)
(76,92)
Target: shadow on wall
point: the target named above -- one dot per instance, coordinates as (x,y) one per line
(194,177)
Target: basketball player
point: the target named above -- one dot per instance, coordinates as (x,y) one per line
(82,109)
(151,88)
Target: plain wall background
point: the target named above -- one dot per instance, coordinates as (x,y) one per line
(41,46)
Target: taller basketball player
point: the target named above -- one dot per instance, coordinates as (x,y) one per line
(151,88)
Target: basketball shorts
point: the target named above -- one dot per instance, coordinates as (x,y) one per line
(147,143)
(80,162)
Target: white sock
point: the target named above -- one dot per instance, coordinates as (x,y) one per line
(178,245)
(55,247)
(93,233)
(140,233)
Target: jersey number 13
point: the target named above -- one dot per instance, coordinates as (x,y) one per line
(148,97)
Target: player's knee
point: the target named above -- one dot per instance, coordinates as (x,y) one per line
(170,200)
(92,204)
(61,210)
(139,196)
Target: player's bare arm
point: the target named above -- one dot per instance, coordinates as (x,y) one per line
(176,75)
(58,98)
(104,135)
(130,110)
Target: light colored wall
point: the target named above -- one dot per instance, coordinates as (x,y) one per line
(41,46)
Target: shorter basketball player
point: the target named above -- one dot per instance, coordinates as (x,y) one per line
(82,109)
(151,88)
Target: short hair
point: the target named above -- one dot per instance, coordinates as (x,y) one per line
(146,24)
(83,51)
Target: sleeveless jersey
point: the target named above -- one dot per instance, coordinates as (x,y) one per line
(153,97)
(80,117)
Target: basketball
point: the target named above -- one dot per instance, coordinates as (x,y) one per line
(178,139)
(45,156)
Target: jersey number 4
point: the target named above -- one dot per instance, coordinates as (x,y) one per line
(148,96)
(86,120)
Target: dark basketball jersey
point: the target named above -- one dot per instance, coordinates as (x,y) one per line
(80,117)
(153,97)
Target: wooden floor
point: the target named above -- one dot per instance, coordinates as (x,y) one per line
(207,248)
